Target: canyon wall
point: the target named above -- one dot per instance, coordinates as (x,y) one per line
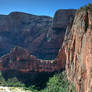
(75,54)
(34,33)
(77,48)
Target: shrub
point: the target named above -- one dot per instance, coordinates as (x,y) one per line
(14,82)
(2,80)
(59,83)
(86,7)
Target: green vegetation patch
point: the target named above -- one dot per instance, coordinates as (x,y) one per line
(57,83)
(86,7)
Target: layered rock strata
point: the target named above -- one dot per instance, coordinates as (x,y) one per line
(20,59)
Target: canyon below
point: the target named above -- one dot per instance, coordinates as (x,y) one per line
(34,48)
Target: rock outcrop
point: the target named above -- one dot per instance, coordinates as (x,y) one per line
(77,46)
(31,32)
(20,59)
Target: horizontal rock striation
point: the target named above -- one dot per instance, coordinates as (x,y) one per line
(20,59)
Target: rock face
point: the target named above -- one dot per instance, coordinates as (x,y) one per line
(58,28)
(78,50)
(25,30)
(20,59)
(40,35)
(62,17)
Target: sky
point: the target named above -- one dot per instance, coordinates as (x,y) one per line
(39,7)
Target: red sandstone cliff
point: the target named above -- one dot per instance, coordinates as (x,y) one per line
(20,59)
(78,50)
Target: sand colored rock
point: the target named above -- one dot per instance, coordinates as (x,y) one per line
(78,50)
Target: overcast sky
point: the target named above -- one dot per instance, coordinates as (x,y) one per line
(40,7)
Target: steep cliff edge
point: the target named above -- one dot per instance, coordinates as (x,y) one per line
(78,50)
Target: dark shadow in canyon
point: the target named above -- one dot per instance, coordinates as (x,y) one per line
(38,79)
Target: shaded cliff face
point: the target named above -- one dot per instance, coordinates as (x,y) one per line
(78,50)
(62,17)
(58,28)
(25,30)
(31,32)
(20,59)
